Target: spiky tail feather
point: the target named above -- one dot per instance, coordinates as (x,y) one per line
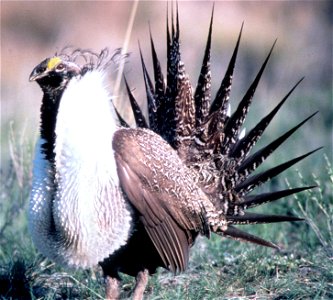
(203,133)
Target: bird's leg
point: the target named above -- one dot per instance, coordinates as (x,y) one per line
(141,283)
(112,289)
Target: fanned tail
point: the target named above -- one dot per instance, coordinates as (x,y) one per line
(209,140)
(140,120)
(251,201)
(237,234)
(233,125)
(242,148)
(251,182)
(202,93)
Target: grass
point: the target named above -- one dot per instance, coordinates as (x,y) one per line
(219,268)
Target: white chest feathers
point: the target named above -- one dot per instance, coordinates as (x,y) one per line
(78,215)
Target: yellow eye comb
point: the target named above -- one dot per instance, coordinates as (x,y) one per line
(53,62)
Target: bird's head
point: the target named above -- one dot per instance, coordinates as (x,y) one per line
(54,73)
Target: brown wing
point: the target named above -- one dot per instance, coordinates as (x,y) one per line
(161,188)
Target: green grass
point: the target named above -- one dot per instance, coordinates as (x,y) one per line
(219,268)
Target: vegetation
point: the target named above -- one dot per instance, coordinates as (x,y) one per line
(219,268)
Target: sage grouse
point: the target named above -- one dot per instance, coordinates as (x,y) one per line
(135,199)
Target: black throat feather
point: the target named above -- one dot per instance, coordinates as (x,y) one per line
(49,112)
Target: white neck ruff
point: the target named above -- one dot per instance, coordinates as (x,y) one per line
(78,215)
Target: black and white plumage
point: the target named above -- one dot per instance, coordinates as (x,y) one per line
(135,199)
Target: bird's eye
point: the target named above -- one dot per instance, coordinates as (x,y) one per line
(60,67)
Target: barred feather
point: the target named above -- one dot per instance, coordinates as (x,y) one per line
(244,146)
(140,120)
(208,139)
(202,93)
(185,170)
